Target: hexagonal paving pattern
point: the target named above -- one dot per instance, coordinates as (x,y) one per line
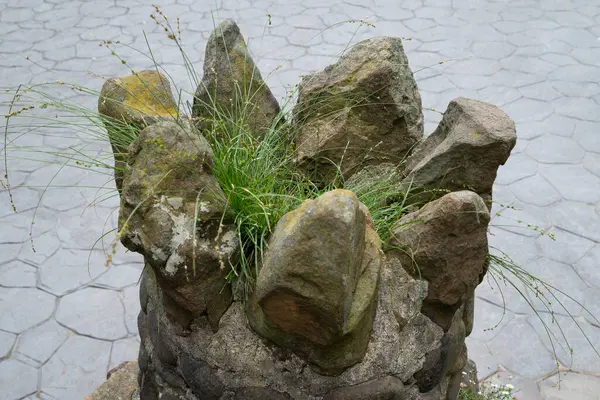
(17,379)
(93,312)
(535,59)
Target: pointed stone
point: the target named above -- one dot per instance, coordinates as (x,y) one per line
(363,110)
(464,152)
(232,88)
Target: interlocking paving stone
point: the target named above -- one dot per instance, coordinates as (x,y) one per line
(478,352)
(40,249)
(570,386)
(527,357)
(566,248)
(535,190)
(591,162)
(67,270)
(20,308)
(592,306)
(577,331)
(7,340)
(517,167)
(564,278)
(124,350)
(537,60)
(120,276)
(489,319)
(555,149)
(17,379)
(41,342)
(578,218)
(131,300)
(574,182)
(17,274)
(76,369)
(587,267)
(93,312)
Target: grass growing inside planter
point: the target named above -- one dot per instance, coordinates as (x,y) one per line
(259,177)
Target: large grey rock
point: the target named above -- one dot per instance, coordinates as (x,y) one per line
(232,89)
(445,243)
(316,291)
(128,105)
(463,153)
(172,213)
(365,109)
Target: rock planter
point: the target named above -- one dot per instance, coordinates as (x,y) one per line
(335,313)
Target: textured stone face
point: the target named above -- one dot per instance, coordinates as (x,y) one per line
(172,213)
(235,360)
(446,243)
(130,104)
(365,109)
(464,152)
(232,85)
(317,289)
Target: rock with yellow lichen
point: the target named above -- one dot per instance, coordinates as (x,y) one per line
(172,212)
(232,89)
(131,103)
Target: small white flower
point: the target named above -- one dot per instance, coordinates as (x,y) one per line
(510,387)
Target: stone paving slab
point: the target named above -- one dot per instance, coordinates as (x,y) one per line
(64,322)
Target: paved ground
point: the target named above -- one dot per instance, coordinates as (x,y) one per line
(63,323)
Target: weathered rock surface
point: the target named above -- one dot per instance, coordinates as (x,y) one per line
(120,385)
(232,85)
(131,103)
(441,360)
(363,110)
(330,316)
(235,360)
(445,243)
(172,213)
(316,292)
(464,152)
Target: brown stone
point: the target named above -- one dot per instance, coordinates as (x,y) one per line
(445,243)
(464,152)
(363,110)
(316,291)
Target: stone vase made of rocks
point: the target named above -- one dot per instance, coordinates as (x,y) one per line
(334,312)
